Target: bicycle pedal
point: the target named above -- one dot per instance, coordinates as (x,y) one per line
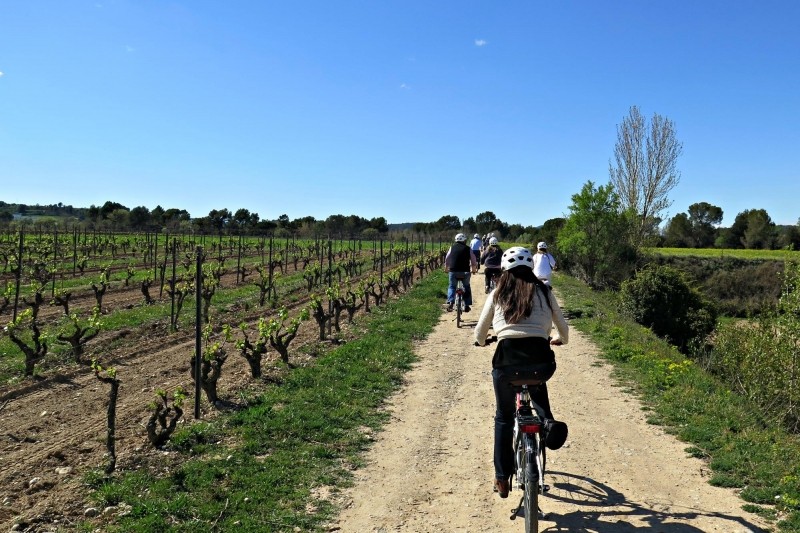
(546,488)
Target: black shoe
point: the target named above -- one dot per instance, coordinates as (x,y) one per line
(467,309)
(449,307)
(487,290)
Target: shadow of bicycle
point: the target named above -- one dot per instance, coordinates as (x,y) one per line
(604,510)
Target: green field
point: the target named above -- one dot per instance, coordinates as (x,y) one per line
(779,255)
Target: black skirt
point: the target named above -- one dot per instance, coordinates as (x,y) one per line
(523,351)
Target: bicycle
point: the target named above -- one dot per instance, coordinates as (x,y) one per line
(492,283)
(459,300)
(530,456)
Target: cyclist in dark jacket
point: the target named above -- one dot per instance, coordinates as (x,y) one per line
(460,262)
(490,258)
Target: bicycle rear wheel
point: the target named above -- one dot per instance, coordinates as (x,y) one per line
(458,310)
(530,497)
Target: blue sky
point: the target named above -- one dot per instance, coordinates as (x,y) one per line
(409,110)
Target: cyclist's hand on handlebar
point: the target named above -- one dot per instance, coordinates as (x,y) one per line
(488,341)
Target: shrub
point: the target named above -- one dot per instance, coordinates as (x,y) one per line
(738,287)
(761,358)
(660,298)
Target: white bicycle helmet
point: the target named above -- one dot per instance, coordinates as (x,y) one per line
(542,246)
(461,238)
(476,236)
(493,241)
(516,256)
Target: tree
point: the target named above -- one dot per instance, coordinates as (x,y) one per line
(109,207)
(139,218)
(590,241)
(218,218)
(470,226)
(380,224)
(646,156)
(245,219)
(119,219)
(487,222)
(704,218)
(678,233)
(448,222)
(789,238)
(760,232)
(157,216)
(549,230)
(733,237)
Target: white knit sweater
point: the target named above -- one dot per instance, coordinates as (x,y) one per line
(538,324)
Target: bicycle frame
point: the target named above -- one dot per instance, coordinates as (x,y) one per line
(529,454)
(459,300)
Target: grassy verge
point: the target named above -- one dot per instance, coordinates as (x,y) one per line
(778,255)
(742,451)
(269,467)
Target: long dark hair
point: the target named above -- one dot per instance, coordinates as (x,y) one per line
(515,292)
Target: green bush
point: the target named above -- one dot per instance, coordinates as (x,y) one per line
(660,298)
(761,359)
(738,287)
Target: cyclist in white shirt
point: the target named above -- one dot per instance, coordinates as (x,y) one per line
(543,263)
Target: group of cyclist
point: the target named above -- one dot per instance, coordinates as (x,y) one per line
(486,251)
(522,311)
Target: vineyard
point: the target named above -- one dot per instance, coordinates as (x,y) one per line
(110,337)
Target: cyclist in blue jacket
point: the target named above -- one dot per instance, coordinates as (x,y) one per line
(522,311)
(475,245)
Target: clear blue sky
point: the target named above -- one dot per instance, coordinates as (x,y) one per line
(409,110)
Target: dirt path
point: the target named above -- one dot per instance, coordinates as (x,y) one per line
(430,470)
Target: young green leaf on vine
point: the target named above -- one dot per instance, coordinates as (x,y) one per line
(280,334)
(214,356)
(164,419)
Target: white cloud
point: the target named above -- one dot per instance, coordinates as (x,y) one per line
(404,86)
(1,73)
(481,42)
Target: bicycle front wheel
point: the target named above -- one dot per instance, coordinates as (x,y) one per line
(531,494)
(458,311)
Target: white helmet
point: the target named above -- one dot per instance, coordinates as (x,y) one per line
(476,236)
(516,256)
(493,241)
(541,246)
(461,238)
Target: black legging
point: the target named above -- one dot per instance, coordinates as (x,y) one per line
(504,416)
(491,271)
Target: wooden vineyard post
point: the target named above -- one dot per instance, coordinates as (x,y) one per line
(198,349)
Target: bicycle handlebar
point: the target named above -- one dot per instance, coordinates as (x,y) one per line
(493,338)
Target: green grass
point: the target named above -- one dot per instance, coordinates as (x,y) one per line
(779,255)
(259,469)
(742,450)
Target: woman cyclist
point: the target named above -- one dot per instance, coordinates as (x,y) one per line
(522,311)
(491,258)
